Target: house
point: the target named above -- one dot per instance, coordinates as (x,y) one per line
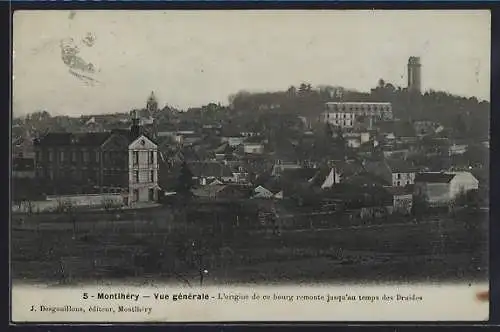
(253,148)
(426,127)
(457,149)
(205,172)
(356,139)
(224,152)
(402,199)
(280,166)
(221,192)
(262,192)
(396,172)
(123,161)
(23,146)
(232,137)
(23,168)
(335,173)
(441,188)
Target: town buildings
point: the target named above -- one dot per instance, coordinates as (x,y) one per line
(118,161)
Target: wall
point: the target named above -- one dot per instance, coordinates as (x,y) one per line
(23,174)
(437,193)
(53,202)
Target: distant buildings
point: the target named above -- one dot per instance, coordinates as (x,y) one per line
(414,74)
(345,114)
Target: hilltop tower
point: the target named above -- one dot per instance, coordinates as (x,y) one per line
(414,74)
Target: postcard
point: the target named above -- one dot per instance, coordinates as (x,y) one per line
(250,166)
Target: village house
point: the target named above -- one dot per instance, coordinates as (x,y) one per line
(262,193)
(402,199)
(396,172)
(205,172)
(335,172)
(221,192)
(356,139)
(457,149)
(280,166)
(441,188)
(426,127)
(253,148)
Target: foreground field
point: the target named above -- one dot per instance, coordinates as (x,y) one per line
(434,249)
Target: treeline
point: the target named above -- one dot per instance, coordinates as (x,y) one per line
(466,117)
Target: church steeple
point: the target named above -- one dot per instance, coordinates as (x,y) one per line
(152,104)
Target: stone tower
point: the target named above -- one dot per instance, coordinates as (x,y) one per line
(414,74)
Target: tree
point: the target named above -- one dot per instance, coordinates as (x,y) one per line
(184,182)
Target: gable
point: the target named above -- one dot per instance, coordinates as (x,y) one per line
(142,142)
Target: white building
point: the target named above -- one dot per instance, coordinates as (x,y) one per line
(439,188)
(143,170)
(344,114)
(253,148)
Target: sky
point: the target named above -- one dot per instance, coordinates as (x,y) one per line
(191,58)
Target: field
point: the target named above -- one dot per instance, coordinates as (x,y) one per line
(155,248)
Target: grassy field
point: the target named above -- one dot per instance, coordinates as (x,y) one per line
(160,249)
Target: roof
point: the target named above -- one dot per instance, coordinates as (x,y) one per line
(209,168)
(23,164)
(224,149)
(298,174)
(400,166)
(434,177)
(399,191)
(67,139)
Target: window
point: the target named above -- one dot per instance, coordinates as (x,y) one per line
(152,176)
(136,157)
(398,183)
(73,156)
(86,156)
(151,157)
(137,176)
(97,156)
(399,176)
(407,182)
(136,195)
(151,194)
(61,155)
